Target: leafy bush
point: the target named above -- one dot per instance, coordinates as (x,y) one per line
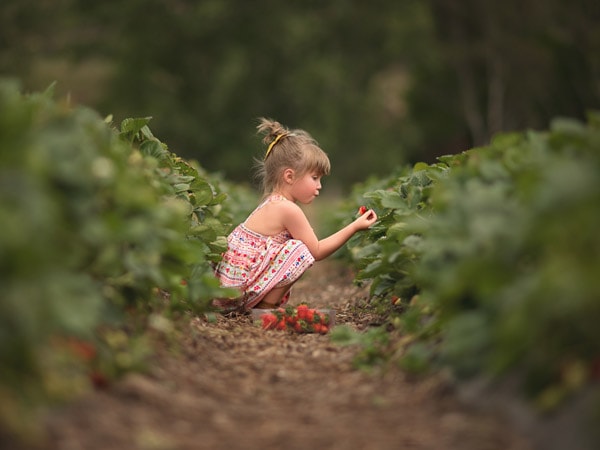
(98,225)
(493,254)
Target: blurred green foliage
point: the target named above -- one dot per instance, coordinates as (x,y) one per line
(377,83)
(488,260)
(105,234)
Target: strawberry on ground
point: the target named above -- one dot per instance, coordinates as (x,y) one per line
(268,321)
(281,325)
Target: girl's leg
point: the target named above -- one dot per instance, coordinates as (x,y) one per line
(274,297)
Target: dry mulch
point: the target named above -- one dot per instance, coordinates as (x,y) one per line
(230,385)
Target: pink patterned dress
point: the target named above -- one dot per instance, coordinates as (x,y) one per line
(255,264)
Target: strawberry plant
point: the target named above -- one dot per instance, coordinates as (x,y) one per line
(386,252)
(103,230)
(207,222)
(493,255)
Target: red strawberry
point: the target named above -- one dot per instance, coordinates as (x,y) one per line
(99,380)
(321,318)
(280,325)
(302,311)
(82,349)
(268,321)
(362,210)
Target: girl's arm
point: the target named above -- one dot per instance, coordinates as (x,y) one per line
(297,224)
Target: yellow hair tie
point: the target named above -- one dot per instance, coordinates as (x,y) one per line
(272,144)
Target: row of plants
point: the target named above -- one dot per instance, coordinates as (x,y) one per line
(106,236)
(486,262)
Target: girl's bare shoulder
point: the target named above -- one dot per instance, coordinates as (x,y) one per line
(280,202)
(287,206)
(280,209)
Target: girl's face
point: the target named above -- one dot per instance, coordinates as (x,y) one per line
(306,188)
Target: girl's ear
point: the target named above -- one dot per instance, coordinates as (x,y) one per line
(288,176)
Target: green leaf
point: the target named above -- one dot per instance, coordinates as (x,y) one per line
(181,187)
(420,166)
(393,200)
(203,192)
(132,126)
(153,148)
(568,126)
(417,358)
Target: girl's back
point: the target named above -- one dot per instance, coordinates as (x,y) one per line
(267,219)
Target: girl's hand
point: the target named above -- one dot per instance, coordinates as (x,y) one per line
(366,219)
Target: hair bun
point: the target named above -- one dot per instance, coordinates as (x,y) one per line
(271,129)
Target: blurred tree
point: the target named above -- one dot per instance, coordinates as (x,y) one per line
(210,68)
(519,63)
(207,69)
(377,83)
(25,32)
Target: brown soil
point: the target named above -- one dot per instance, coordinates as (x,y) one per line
(232,385)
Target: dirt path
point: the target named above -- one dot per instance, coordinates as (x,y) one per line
(234,386)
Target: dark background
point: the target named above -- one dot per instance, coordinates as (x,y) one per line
(378,83)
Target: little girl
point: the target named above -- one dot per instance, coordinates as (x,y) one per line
(276,244)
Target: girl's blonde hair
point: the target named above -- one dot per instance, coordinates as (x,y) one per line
(294,149)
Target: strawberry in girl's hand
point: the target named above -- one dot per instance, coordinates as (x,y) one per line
(363,210)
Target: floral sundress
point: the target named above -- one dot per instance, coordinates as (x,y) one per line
(255,264)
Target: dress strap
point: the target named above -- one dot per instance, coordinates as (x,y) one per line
(269,199)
